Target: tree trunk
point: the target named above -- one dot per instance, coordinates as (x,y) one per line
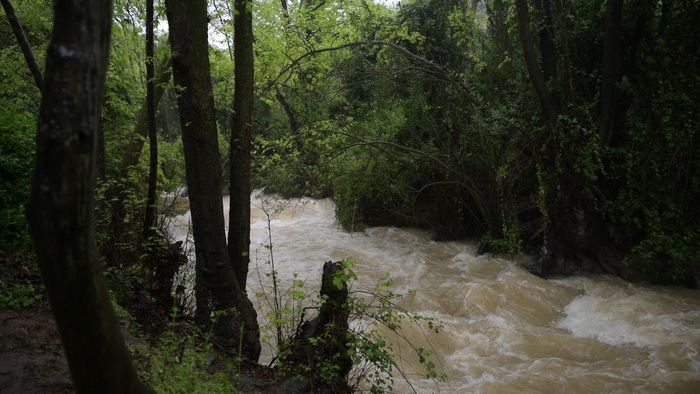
(150,219)
(23,43)
(61,205)
(547,47)
(241,135)
(188,23)
(611,68)
(323,340)
(547,104)
(291,115)
(285,8)
(567,81)
(548,50)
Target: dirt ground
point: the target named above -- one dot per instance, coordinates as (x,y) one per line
(32,359)
(31,354)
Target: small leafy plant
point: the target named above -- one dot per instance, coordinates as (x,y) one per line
(179,362)
(18,296)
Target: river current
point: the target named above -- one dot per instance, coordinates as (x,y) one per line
(504,330)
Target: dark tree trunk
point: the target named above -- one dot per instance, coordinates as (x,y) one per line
(548,50)
(547,46)
(188,23)
(611,68)
(150,219)
(291,115)
(665,18)
(567,81)
(61,205)
(23,43)
(241,135)
(285,8)
(547,103)
(329,345)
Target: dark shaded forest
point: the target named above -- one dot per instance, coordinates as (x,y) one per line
(558,130)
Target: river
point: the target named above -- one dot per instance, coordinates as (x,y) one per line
(504,330)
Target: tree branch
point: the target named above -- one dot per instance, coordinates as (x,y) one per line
(441,69)
(23,43)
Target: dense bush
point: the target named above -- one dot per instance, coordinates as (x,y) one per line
(16,165)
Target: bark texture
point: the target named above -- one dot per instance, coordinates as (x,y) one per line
(23,43)
(241,135)
(61,205)
(190,55)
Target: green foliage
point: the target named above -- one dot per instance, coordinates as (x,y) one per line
(511,245)
(178,363)
(444,130)
(293,165)
(16,164)
(375,316)
(19,101)
(20,285)
(665,258)
(18,295)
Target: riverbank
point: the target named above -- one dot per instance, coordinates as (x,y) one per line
(32,359)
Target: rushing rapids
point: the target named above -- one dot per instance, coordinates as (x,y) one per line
(504,330)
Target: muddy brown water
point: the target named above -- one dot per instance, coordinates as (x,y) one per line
(504,329)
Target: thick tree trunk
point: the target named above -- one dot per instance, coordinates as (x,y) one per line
(547,103)
(150,219)
(23,43)
(61,205)
(241,135)
(190,54)
(611,68)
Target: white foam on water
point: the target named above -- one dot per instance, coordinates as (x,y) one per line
(637,316)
